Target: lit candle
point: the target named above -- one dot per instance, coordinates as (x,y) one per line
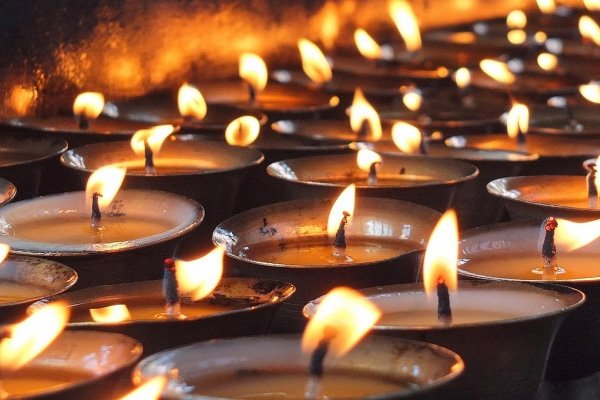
(253,71)
(88,106)
(102,187)
(147,142)
(364,119)
(242,131)
(191,103)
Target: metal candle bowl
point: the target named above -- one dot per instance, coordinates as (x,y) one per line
(430,367)
(293,220)
(326,176)
(106,263)
(576,121)
(251,302)
(503,358)
(529,197)
(575,351)
(90,363)
(44,277)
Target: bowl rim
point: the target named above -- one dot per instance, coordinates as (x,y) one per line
(56,145)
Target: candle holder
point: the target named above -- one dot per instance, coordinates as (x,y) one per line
(279,360)
(390,233)
(143,228)
(509,252)
(24,280)
(8,191)
(411,178)
(323,132)
(574,121)
(237,307)
(489,318)
(77,365)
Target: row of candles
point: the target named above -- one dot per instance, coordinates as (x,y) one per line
(380,236)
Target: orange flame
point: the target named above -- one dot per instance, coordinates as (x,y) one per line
(517,120)
(21,99)
(592,5)
(242,131)
(254,71)
(547,61)
(570,236)
(88,104)
(546,6)
(330,25)
(105,180)
(406,137)
(114,313)
(589,29)
(540,37)
(366,45)
(149,390)
(497,70)
(413,100)
(406,22)
(361,111)
(441,254)
(591,92)
(462,77)
(190,101)
(154,136)
(30,337)
(199,277)
(516,19)
(365,158)
(344,312)
(344,202)
(517,36)
(314,63)
(4,249)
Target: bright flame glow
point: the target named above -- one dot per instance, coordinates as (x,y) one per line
(498,71)
(344,202)
(155,137)
(362,110)
(348,314)
(149,390)
(591,92)
(110,314)
(88,104)
(406,137)
(547,61)
(592,5)
(21,99)
(330,25)
(462,77)
(29,338)
(365,158)
(4,249)
(254,71)
(546,6)
(314,63)
(406,22)
(366,45)
(516,19)
(242,131)
(105,180)
(412,100)
(441,254)
(516,36)
(589,29)
(199,277)
(571,235)
(517,120)
(191,103)
(540,37)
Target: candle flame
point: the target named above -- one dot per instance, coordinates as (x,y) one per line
(242,131)
(540,37)
(592,5)
(570,236)
(348,314)
(516,36)
(344,202)
(441,254)
(149,390)
(106,181)
(516,19)
(589,29)
(413,100)
(365,158)
(30,337)
(362,110)
(406,137)
(4,249)
(329,25)
(547,61)
(88,104)
(497,70)
(199,277)
(591,92)
(154,136)
(314,63)
(546,6)
(406,22)
(21,99)
(517,120)
(190,102)
(462,77)
(253,70)
(110,314)
(366,45)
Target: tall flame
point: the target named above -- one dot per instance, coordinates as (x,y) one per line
(149,390)
(517,120)
(589,29)
(105,180)
(361,111)
(462,77)
(154,136)
(516,19)
(329,25)
(570,236)
(591,92)
(30,337)
(366,45)
(413,99)
(546,6)
(114,313)
(242,131)
(592,5)
(406,137)
(345,312)
(89,104)
(254,71)
(344,202)
(365,158)
(497,70)
(199,277)
(314,63)
(441,254)
(406,22)
(190,102)
(547,61)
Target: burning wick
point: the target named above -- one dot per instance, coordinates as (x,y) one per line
(316,369)
(96,214)
(149,158)
(444,310)
(339,243)
(170,290)
(372,178)
(590,180)
(550,268)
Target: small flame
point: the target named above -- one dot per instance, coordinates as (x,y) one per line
(592,5)
(462,77)
(149,390)
(405,20)
(540,37)
(314,63)
(199,277)
(21,99)
(191,103)
(254,71)
(441,254)
(345,202)
(366,45)
(591,92)
(88,104)
(29,338)
(516,19)
(105,180)
(589,29)
(406,137)
(497,70)
(547,61)
(362,110)
(517,36)
(570,236)
(413,100)
(517,120)
(154,136)
(330,25)
(114,313)
(365,158)
(546,6)
(4,249)
(242,131)
(348,314)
